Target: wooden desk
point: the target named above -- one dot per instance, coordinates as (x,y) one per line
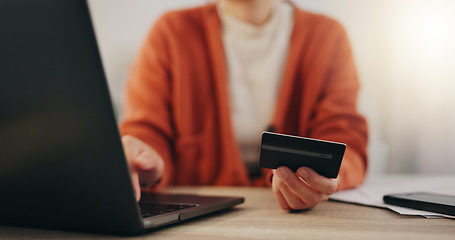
(260,218)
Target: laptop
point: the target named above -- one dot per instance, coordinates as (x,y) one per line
(62,163)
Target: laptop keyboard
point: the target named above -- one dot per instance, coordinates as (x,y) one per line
(153,209)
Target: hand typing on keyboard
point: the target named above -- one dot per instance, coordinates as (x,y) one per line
(146,166)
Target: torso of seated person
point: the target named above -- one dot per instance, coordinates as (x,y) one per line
(206,84)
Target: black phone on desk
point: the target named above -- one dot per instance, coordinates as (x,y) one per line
(438,203)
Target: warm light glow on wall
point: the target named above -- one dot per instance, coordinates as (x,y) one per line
(422,45)
(433,30)
(420,42)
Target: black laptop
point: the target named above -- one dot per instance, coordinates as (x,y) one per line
(62,163)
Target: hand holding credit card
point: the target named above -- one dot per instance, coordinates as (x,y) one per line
(324,157)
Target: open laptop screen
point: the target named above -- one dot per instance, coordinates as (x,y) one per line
(60,148)
(62,163)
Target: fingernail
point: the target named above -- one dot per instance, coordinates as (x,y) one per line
(302,173)
(282,173)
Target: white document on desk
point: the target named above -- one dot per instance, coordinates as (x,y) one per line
(371,193)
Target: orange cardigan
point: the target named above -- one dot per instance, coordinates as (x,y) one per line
(177,98)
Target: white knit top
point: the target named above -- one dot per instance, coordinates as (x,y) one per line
(256,56)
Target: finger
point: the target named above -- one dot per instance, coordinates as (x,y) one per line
(136,186)
(294,201)
(278,195)
(317,182)
(298,188)
(130,147)
(150,168)
(144,160)
(148,160)
(325,198)
(148,178)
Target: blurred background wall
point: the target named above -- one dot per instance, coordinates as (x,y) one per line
(405,55)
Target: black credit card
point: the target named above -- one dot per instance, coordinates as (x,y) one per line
(324,157)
